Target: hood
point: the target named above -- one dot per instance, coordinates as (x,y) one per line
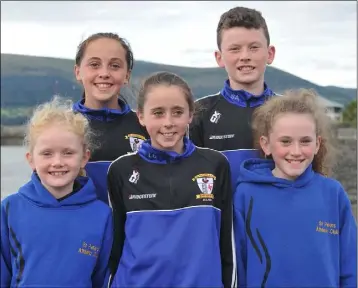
(38,194)
(153,155)
(260,171)
(103,114)
(243,98)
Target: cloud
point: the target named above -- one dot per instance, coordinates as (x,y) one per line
(314,40)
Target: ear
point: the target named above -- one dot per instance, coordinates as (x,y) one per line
(271,54)
(30,161)
(318,144)
(219,59)
(264,143)
(191,116)
(76,71)
(128,77)
(85,158)
(140,117)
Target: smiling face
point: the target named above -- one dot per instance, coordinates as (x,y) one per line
(166,116)
(57,156)
(244,54)
(293,143)
(102,71)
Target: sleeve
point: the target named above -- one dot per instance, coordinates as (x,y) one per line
(240,236)
(5,265)
(100,276)
(348,244)
(114,185)
(227,244)
(195,128)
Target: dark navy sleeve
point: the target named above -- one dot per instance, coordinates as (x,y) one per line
(100,277)
(5,266)
(227,245)
(348,243)
(114,185)
(240,235)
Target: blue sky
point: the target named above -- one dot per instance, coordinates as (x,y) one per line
(314,40)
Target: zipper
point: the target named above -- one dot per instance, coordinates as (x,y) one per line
(170,184)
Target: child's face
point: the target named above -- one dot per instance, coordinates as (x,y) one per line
(244,55)
(57,156)
(166,117)
(102,72)
(292,143)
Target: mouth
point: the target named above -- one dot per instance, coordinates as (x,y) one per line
(103,85)
(295,161)
(246,68)
(168,134)
(58,173)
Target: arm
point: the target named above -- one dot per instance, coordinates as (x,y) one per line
(101,273)
(348,244)
(5,266)
(119,218)
(240,237)
(227,245)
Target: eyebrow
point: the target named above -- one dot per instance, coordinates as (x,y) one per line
(176,107)
(99,59)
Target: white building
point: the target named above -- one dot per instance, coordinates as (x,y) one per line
(334,110)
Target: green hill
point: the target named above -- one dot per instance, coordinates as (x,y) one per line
(27,81)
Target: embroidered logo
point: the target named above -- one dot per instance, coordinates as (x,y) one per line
(205,183)
(215,117)
(135,141)
(134,177)
(88,249)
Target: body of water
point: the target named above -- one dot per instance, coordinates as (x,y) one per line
(15,171)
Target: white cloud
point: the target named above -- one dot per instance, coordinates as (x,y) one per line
(314,40)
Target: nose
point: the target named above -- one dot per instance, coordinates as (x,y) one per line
(168,120)
(57,161)
(245,54)
(104,72)
(296,149)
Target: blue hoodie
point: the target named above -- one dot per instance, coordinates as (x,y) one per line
(299,233)
(117,132)
(50,243)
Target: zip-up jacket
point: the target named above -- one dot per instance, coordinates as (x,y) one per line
(172,219)
(49,242)
(116,133)
(223,123)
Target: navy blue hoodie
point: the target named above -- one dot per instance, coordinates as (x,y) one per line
(173,219)
(299,233)
(117,132)
(50,243)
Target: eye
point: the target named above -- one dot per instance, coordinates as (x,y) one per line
(94,65)
(306,141)
(157,113)
(285,142)
(178,113)
(115,66)
(254,48)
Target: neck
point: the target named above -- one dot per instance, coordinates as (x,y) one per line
(178,148)
(256,88)
(110,104)
(60,192)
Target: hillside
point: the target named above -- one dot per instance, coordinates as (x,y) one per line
(28,80)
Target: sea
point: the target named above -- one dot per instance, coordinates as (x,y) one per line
(15,171)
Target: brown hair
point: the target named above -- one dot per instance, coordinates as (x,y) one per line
(300,101)
(241,17)
(164,78)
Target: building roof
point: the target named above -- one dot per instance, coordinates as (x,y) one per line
(329,103)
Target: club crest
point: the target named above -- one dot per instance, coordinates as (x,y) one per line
(205,183)
(135,141)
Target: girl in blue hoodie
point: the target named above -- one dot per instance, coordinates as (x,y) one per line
(172,201)
(294,226)
(54,231)
(104,62)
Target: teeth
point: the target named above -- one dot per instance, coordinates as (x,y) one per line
(297,161)
(58,173)
(246,68)
(168,134)
(103,85)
